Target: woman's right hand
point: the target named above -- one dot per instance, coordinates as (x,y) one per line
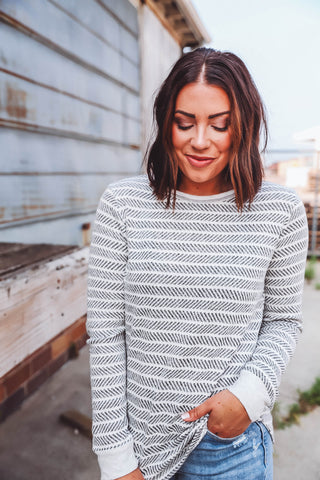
(135,475)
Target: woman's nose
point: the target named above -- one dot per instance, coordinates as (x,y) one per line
(200,139)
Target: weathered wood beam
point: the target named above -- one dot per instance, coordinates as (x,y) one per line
(189,39)
(159,11)
(17,256)
(77,420)
(172,12)
(181,26)
(38,303)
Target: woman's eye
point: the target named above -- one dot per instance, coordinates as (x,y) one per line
(183,127)
(221,124)
(220,129)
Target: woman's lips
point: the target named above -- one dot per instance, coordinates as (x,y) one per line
(196,161)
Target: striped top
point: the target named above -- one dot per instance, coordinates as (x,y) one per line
(181,305)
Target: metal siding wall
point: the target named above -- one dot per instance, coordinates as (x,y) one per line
(159,53)
(69,112)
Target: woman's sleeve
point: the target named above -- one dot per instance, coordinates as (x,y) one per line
(112,441)
(257,385)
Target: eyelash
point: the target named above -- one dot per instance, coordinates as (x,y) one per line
(218,129)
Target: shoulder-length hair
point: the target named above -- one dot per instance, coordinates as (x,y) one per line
(247,120)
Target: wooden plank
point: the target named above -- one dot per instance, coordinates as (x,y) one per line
(35,197)
(10,247)
(48,250)
(40,153)
(173,12)
(15,257)
(181,26)
(36,305)
(29,104)
(50,25)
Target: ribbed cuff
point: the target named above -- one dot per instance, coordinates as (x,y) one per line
(252,393)
(117,462)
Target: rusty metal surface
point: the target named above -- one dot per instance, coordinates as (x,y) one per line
(124,12)
(49,23)
(33,154)
(37,196)
(121,34)
(48,70)
(69,112)
(35,105)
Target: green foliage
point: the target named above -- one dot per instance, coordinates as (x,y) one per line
(310,271)
(312,396)
(307,401)
(278,422)
(293,414)
(313,259)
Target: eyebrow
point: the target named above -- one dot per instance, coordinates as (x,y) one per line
(191,115)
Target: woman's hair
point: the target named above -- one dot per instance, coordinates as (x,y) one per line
(247,118)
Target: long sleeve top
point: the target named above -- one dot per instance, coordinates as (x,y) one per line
(182,304)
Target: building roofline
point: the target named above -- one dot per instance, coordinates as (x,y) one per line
(181,20)
(193,19)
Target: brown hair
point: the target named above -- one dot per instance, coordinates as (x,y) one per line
(247,118)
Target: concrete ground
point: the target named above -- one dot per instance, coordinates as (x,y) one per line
(297,448)
(35,445)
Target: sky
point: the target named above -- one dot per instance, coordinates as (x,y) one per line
(279,40)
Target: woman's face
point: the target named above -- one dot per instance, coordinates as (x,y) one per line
(201,138)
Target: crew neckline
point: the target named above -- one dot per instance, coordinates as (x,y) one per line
(206,198)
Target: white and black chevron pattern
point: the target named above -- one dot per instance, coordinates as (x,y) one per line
(179,303)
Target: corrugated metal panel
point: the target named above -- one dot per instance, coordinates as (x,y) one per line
(155,68)
(31,196)
(124,12)
(49,70)
(70,118)
(48,154)
(54,27)
(65,230)
(122,31)
(46,109)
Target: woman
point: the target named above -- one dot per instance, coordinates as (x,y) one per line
(195,284)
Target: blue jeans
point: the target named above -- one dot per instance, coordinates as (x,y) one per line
(245,457)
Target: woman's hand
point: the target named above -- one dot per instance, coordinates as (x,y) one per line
(135,475)
(227,416)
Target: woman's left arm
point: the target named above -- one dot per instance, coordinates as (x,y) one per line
(257,386)
(232,410)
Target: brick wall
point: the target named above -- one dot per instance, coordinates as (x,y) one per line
(22,380)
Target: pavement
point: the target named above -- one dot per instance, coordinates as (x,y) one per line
(36,445)
(297,448)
